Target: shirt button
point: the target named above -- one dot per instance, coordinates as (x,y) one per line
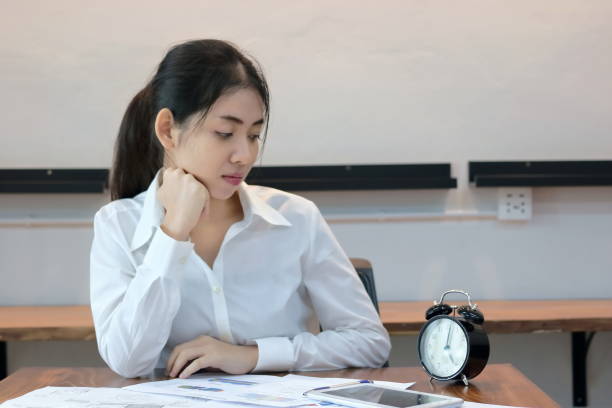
(217,290)
(183,259)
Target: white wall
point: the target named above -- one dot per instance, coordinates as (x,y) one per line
(411,81)
(391,81)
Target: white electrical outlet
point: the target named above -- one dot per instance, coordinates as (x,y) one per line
(514,203)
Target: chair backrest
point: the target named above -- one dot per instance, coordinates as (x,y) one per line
(366,274)
(364,270)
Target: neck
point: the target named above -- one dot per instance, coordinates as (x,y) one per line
(224,210)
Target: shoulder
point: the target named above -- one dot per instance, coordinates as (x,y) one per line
(120,216)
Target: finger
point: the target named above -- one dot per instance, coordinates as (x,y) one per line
(175,352)
(171,359)
(183,358)
(168,171)
(198,179)
(200,340)
(162,176)
(194,366)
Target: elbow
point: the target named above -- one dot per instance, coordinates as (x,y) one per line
(125,364)
(373,349)
(382,349)
(378,347)
(127,370)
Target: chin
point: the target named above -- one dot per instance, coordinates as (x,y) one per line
(223,193)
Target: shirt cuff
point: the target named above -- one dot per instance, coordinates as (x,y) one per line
(166,254)
(275,354)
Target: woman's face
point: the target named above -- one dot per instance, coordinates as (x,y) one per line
(220,150)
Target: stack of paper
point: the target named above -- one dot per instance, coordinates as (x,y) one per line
(84,397)
(265,390)
(208,391)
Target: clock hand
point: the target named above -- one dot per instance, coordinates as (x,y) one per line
(447,347)
(450,331)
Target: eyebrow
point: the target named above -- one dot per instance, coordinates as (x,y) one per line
(240,121)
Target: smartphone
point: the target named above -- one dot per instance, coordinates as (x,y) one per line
(371,395)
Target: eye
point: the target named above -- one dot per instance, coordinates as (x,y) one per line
(224,135)
(255,137)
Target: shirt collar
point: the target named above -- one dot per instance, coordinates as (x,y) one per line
(153,212)
(252,205)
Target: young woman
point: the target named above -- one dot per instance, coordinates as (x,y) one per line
(191,268)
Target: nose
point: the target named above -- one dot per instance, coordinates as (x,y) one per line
(244,151)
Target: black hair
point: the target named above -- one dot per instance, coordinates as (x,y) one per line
(190,78)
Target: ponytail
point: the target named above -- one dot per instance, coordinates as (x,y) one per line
(138,153)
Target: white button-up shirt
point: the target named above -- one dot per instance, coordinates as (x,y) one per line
(279,274)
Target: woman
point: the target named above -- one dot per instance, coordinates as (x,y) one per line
(191,268)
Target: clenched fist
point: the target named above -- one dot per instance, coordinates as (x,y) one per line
(185,199)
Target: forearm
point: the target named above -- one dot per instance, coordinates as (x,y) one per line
(335,349)
(133,309)
(330,349)
(132,334)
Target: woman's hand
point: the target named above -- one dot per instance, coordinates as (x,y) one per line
(184,199)
(208,352)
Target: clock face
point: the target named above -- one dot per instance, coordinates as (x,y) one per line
(443,347)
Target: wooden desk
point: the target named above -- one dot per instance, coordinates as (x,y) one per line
(497,384)
(511,316)
(580,317)
(22,323)
(19,323)
(507,316)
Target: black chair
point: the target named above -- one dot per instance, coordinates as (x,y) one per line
(366,274)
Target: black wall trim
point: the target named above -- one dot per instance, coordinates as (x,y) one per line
(541,173)
(291,178)
(53,180)
(354,177)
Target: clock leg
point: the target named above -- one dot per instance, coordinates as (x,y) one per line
(464,379)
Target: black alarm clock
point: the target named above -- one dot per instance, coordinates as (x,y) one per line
(452,344)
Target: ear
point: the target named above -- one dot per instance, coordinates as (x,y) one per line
(164,129)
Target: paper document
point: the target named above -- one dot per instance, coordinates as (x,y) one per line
(219,387)
(271,391)
(85,397)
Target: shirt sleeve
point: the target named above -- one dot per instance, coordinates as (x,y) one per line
(133,306)
(352,335)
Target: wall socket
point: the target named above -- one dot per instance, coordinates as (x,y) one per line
(514,203)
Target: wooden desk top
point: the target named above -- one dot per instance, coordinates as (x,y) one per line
(497,384)
(511,316)
(46,323)
(501,316)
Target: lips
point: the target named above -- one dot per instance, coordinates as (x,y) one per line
(234,175)
(233,179)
